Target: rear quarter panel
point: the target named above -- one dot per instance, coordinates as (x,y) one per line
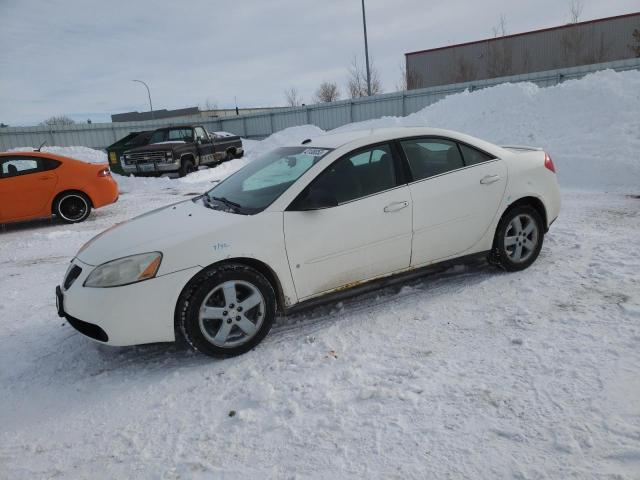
(77,175)
(528,177)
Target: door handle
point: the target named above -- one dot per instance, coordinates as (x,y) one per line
(489,179)
(46,177)
(395,206)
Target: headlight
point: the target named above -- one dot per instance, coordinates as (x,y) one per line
(124,271)
(169,154)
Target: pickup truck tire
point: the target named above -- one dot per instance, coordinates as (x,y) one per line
(231,154)
(186,166)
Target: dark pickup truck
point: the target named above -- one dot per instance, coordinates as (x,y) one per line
(181,149)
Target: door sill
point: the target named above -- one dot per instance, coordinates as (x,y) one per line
(352,290)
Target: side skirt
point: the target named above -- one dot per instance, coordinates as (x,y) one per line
(379,283)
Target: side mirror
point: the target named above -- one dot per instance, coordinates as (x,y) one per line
(318,198)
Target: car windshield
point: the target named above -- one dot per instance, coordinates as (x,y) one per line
(254,187)
(172,135)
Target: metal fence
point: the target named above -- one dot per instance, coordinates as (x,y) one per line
(325,115)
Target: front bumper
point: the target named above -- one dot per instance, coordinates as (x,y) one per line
(150,167)
(129,315)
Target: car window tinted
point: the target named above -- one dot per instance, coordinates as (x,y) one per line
(472,156)
(358,175)
(431,156)
(13,167)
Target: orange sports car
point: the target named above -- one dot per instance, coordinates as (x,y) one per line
(38,184)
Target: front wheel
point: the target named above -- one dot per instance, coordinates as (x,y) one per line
(72,207)
(186,167)
(227,312)
(519,238)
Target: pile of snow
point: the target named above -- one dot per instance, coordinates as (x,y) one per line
(472,373)
(589,126)
(86,154)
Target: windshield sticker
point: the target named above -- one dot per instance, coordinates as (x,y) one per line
(315,152)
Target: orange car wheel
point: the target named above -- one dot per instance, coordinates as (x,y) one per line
(72,207)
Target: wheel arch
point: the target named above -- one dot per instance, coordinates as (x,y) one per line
(533,202)
(188,156)
(67,191)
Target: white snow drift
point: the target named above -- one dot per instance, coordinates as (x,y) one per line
(468,374)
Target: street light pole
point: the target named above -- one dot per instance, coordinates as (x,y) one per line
(148,93)
(366,50)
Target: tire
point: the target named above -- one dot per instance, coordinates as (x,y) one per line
(231,154)
(72,207)
(518,239)
(186,167)
(227,311)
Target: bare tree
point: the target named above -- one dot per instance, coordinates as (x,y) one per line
(500,30)
(292,97)
(499,54)
(575,10)
(57,121)
(636,48)
(410,79)
(357,82)
(209,105)
(327,92)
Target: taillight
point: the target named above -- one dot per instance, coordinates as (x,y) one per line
(548,163)
(104,172)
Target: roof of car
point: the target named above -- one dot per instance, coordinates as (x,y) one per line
(338,139)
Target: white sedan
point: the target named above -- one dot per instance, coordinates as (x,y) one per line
(304,223)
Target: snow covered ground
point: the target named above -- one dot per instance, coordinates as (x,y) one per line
(472,373)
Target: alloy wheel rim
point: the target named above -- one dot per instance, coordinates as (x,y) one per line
(521,238)
(73,207)
(232,313)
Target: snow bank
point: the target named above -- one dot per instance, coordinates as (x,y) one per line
(589,126)
(85,154)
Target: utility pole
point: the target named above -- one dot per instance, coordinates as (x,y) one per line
(149,94)
(366,50)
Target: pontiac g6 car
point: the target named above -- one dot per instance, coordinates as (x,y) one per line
(307,222)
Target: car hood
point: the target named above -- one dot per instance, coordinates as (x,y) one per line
(160,230)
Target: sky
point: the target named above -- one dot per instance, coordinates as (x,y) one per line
(78,57)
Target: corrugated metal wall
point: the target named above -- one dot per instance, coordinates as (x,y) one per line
(584,43)
(326,116)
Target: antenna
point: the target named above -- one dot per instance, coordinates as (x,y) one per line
(41,145)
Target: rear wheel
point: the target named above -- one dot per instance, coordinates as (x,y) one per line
(72,207)
(519,238)
(228,312)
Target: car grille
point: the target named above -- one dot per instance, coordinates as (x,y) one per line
(72,274)
(145,157)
